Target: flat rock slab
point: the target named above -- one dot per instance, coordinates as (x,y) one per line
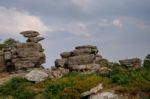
(30,33)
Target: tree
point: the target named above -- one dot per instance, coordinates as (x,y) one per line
(8,43)
(147,62)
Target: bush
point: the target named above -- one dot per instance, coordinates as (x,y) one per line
(16,88)
(130,80)
(72,85)
(146,64)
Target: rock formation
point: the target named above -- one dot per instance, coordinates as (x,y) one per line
(24,55)
(2,61)
(131,63)
(83,58)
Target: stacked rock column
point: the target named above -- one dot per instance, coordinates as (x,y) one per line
(81,59)
(29,54)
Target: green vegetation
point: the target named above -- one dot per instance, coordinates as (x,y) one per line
(17,88)
(130,81)
(70,86)
(147,64)
(8,43)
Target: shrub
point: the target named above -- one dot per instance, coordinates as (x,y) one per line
(16,87)
(72,85)
(146,64)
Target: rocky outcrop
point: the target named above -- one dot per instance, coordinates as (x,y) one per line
(131,63)
(83,58)
(24,55)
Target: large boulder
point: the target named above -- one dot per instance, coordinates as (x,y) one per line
(65,54)
(36,75)
(81,59)
(60,62)
(131,63)
(84,51)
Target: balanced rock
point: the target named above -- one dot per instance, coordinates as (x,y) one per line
(133,63)
(35,39)
(30,33)
(24,55)
(36,76)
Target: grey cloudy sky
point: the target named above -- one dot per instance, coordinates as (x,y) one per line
(120,28)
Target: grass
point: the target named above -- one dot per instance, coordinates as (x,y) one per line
(16,88)
(71,85)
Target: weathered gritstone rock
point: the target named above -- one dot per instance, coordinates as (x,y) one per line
(105,95)
(58,73)
(131,63)
(30,54)
(2,61)
(86,46)
(36,76)
(93,67)
(60,62)
(93,91)
(83,59)
(98,93)
(24,55)
(35,39)
(30,33)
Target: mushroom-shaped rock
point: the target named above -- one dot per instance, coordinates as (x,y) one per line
(35,39)
(30,33)
(36,76)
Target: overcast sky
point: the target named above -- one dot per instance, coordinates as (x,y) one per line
(119,28)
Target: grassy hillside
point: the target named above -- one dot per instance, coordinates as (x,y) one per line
(70,86)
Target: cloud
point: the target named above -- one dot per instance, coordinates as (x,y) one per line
(75,28)
(14,21)
(117,23)
(84,5)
